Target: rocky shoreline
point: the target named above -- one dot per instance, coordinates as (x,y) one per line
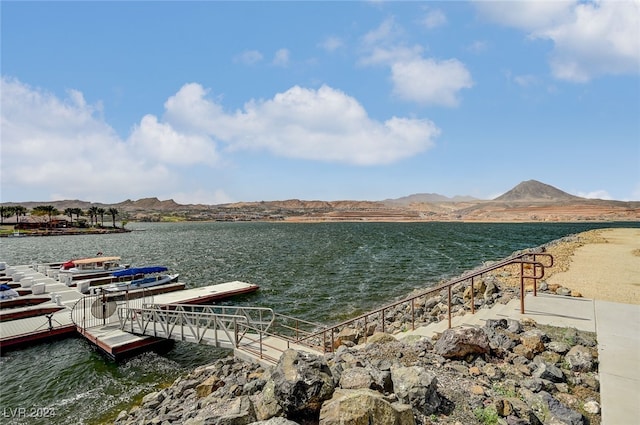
(506,372)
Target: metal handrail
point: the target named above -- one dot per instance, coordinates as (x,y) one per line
(191,322)
(528,258)
(179,324)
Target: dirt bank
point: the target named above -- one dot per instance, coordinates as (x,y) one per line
(603,264)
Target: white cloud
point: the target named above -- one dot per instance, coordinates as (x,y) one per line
(249,57)
(281,58)
(332,43)
(161,142)
(202,197)
(387,32)
(434,18)
(60,144)
(322,125)
(327,125)
(429,81)
(189,110)
(528,15)
(590,38)
(389,56)
(596,194)
(478,46)
(526,80)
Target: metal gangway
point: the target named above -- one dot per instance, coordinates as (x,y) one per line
(258,332)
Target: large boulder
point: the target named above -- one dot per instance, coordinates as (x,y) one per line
(549,410)
(364,407)
(416,386)
(579,359)
(234,411)
(534,340)
(457,343)
(356,377)
(265,403)
(302,381)
(275,421)
(209,385)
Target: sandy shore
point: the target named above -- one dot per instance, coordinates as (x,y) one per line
(603,264)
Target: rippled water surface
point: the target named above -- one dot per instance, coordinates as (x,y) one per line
(323,272)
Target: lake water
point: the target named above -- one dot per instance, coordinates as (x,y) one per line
(322,272)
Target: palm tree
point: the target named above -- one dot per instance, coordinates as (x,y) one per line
(100,212)
(93,212)
(69,212)
(19,210)
(49,210)
(77,212)
(114,213)
(5,212)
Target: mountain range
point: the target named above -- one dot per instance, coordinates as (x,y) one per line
(528,201)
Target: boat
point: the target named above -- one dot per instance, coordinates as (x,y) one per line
(7,292)
(93,264)
(84,268)
(152,276)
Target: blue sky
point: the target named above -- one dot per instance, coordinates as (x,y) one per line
(216,102)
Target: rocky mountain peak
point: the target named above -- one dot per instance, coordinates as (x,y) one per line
(535,191)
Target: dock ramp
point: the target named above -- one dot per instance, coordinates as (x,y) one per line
(254,333)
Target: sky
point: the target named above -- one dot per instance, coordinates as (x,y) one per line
(215,102)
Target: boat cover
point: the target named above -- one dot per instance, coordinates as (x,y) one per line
(6,292)
(95,260)
(139,270)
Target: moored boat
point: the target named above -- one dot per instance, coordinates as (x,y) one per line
(84,268)
(88,265)
(151,276)
(7,292)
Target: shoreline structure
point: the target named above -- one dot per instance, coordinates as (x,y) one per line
(528,373)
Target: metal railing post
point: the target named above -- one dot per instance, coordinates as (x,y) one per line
(413,315)
(449,306)
(261,354)
(473,306)
(521,288)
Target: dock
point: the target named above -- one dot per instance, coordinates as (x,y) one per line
(206,294)
(59,311)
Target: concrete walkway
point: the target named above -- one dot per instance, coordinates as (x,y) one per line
(616,325)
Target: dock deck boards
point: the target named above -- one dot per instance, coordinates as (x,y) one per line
(206,294)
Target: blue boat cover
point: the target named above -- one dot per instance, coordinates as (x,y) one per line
(139,270)
(5,287)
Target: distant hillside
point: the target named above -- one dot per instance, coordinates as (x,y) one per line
(145,204)
(419,198)
(535,191)
(149,204)
(528,201)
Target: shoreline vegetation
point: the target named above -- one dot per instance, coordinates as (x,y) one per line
(10,231)
(513,372)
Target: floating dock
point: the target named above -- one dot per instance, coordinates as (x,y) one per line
(59,307)
(206,294)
